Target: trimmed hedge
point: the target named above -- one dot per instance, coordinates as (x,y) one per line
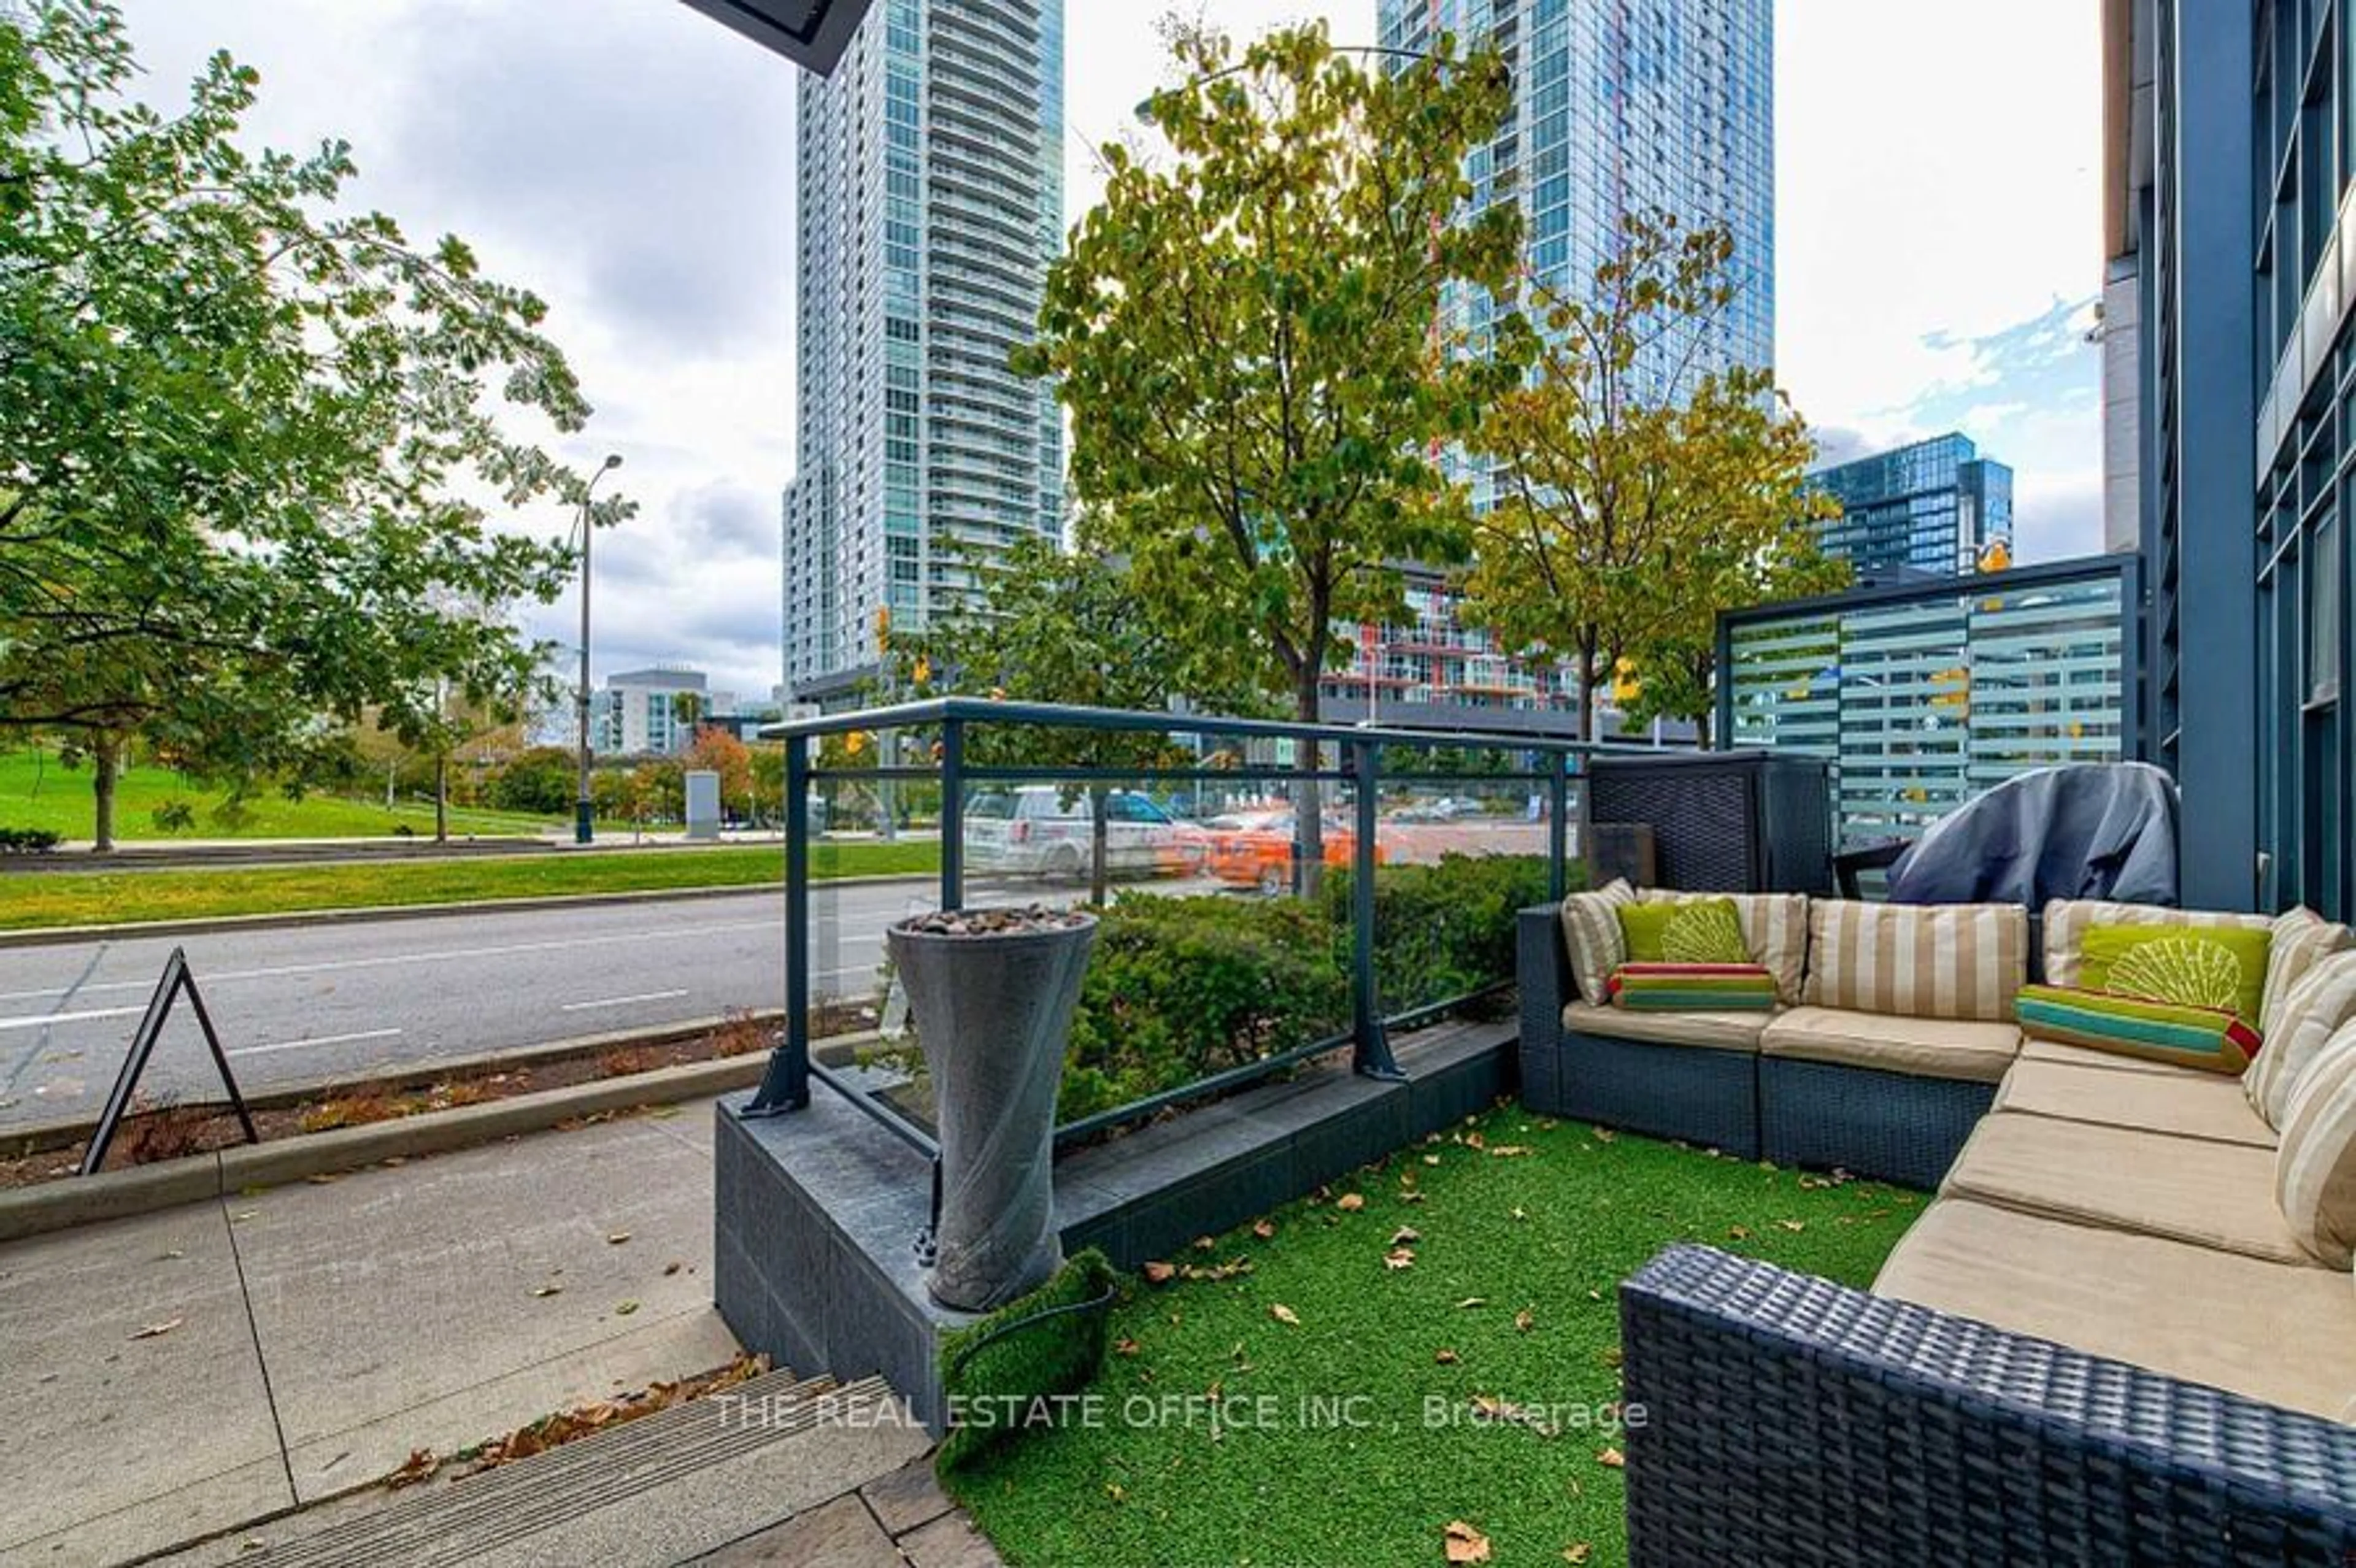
(1441,931)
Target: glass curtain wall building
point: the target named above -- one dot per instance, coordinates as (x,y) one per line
(1934,506)
(930,178)
(2229,143)
(1622,106)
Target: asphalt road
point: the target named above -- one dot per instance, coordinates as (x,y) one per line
(300,1004)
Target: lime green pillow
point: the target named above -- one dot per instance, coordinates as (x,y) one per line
(1688,931)
(2222,967)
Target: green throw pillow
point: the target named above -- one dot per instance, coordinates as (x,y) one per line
(2223,967)
(1687,931)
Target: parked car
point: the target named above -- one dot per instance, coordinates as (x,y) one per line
(1047,831)
(1254,849)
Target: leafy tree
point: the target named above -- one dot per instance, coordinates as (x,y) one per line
(1072,628)
(543,780)
(1245,340)
(247,439)
(720,752)
(1642,492)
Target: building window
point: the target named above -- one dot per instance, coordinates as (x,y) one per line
(2323,574)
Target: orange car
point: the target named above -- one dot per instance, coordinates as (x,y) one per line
(1254,849)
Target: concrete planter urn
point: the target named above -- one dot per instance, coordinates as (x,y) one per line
(991,992)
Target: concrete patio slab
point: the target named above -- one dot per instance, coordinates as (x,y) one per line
(139,1438)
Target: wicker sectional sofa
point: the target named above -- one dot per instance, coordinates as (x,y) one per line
(2103,1343)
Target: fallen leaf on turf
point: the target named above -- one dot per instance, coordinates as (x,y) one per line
(1398,1258)
(1446,1357)
(1159,1273)
(617,1238)
(1523,1319)
(548,1290)
(1507,1150)
(1739,1232)
(1125,1346)
(413,1469)
(1405,1234)
(1284,1314)
(1475,1140)
(1431,1159)
(1350,1203)
(1577,1552)
(1410,1197)
(624,1309)
(1116,1493)
(1263,1230)
(158,1331)
(1204,1243)
(1610,1458)
(1473,1301)
(1792,1224)
(1465,1544)
(1520,1213)
(1605,1135)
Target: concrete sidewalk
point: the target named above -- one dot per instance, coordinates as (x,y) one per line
(183,1373)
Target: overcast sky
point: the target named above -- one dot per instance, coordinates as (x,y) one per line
(1937,219)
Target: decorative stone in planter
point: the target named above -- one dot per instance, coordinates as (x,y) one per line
(993,991)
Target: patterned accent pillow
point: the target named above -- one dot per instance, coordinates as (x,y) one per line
(2224,968)
(2210,1038)
(1774,932)
(2066,921)
(1590,934)
(1688,931)
(1921,961)
(2314,1165)
(2301,936)
(2312,1011)
(1693,988)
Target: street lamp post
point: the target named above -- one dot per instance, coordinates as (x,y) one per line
(582,810)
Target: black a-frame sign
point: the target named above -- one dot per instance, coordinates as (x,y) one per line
(177,979)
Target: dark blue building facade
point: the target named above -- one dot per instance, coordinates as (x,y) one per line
(1933,507)
(2230,140)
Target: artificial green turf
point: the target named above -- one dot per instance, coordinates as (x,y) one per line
(103,898)
(1550,1231)
(37,791)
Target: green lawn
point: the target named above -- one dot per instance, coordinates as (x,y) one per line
(1549,1233)
(37,791)
(107,898)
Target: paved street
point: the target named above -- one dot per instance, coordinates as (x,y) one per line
(302,1003)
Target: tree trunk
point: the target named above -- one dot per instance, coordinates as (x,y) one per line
(1704,667)
(1587,661)
(1100,843)
(106,758)
(1309,799)
(441,797)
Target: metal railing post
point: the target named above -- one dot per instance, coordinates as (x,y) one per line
(785,1085)
(953,813)
(1558,827)
(1371,1056)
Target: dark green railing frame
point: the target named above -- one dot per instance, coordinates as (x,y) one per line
(1357,749)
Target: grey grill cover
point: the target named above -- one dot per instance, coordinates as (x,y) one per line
(2098,830)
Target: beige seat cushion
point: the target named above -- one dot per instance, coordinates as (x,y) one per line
(2209,1194)
(2281,1334)
(2310,1012)
(2301,937)
(2034,1049)
(1774,928)
(1927,1048)
(1714,1031)
(2181,1101)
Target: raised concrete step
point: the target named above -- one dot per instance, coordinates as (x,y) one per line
(662,1490)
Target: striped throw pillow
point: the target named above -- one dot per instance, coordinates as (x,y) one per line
(1693,988)
(1591,933)
(2066,921)
(2314,1165)
(2311,1012)
(2212,1039)
(1774,928)
(1922,961)
(2301,936)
